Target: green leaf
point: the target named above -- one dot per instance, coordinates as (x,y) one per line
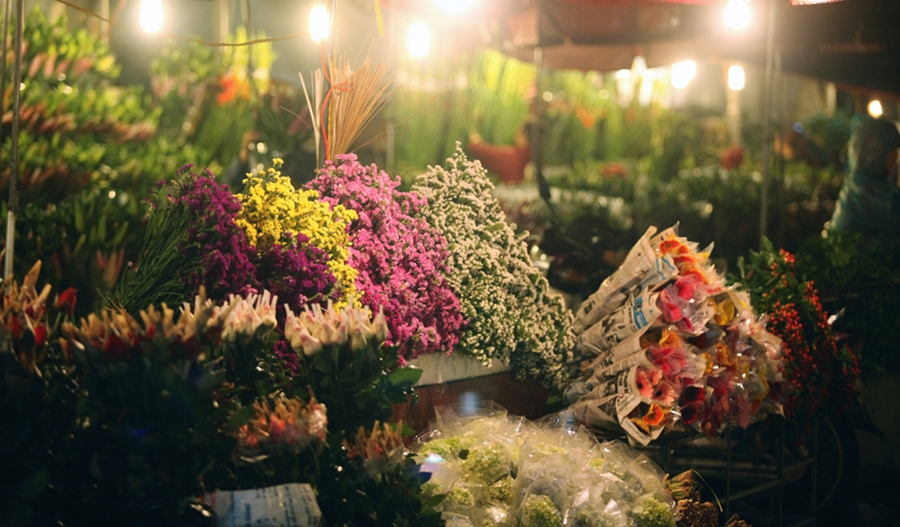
(405,377)
(434,501)
(34,486)
(239,418)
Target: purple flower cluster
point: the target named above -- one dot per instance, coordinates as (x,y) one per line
(297,273)
(400,258)
(222,246)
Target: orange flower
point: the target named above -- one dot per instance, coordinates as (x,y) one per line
(655,415)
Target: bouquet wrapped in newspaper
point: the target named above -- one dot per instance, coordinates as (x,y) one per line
(498,470)
(663,343)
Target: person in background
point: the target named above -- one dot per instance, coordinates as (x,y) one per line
(869,202)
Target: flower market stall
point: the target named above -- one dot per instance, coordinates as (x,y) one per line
(301,327)
(351,350)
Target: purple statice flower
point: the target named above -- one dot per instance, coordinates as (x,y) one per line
(297,272)
(400,258)
(286,353)
(220,244)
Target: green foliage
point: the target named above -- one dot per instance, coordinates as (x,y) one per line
(78,129)
(396,499)
(358,387)
(858,281)
(147,430)
(84,241)
(652,513)
(211,100)
(822,372)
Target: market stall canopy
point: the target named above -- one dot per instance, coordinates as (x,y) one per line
(851,42)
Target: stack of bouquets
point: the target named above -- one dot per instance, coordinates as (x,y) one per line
(663,344)
(501,470)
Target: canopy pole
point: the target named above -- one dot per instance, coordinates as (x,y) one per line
(4,52)
(767,122)
(14,151)
(537,104)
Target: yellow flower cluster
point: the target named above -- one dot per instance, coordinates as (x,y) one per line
(271,207)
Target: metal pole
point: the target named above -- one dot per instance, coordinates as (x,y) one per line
(3,53)
(538,108)
(14,152)
(391,109)
(767,121)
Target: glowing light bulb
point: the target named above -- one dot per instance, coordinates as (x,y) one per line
(151,15)
(318,23)
(737,14)
(683,72)
(418,39)
(736,77)
(875,109)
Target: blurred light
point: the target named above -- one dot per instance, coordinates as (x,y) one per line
(623,74)
(735,77)
(683,72)
(875,109)
(151,15)
(798,127)
(547,96)
(418,39)
(319,23)
(604,94)
(737,14)
(469,403)
(112,194)
(454,7)
(639,64)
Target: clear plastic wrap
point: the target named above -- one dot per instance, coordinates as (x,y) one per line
(506,471)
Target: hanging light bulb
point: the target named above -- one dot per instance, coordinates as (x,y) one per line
(151,15)
(736,77)
(737,14)
(418,39)
(875,109)
(319,23)
(683,72)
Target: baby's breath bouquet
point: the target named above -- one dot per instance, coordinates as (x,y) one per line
(512,315)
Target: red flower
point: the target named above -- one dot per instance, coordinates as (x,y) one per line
(15,327)
(693,394)
(690,413)
(40,335)
(733,158)
(66,301)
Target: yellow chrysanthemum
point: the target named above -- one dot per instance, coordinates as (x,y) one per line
(273,210)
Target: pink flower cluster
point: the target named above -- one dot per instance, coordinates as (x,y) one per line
(400,258)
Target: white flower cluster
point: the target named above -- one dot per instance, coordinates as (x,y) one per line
(511,312)
(314,328)
(238,316)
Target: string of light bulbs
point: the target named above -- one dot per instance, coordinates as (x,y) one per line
(181,37)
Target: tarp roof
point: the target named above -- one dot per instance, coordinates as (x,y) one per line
(852,42)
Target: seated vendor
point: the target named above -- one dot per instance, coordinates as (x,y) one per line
(869,202)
